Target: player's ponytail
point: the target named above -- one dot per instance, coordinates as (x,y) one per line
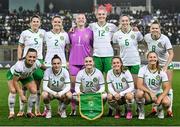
(55,57)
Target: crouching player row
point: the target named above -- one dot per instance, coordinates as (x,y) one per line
(22,71)
(56,85)
(153,87)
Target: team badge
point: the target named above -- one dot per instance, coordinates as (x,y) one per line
(158,78)
(106,28)
(61,38)
(91,106)
(132,36)
(95,80)
(159,45)
(40,35)
(123,80)
(62,79)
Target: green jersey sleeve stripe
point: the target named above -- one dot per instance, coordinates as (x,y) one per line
(78,82)
(170,49)
(67,82)
(109,82)
(102,84)
(17,71)
(165,81)
(16,75)
(130,81)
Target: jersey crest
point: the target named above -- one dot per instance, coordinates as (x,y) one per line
(40,35)
(159,45)
(106,28)
(132,36)
(61,37)
(95,80)
(62,79)
(123,79)
(158,78)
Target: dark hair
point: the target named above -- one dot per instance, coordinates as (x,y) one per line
(123,69)
(55,57)
(56,16)
(31,50)
(123,15)
(157,63)
(156,22)
(35,16)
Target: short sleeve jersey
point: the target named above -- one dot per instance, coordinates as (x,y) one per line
(119,82)
(160,46)
(102,39)
(90,82)
(34,40)
(128,43)
(21,70)
(56,45)
(153,81)
(57,82)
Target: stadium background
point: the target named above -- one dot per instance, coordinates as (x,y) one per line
(14,18)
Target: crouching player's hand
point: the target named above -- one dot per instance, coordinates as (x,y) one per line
(23,98)
(117,96)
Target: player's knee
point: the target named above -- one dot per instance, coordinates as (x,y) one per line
(13,91)
(166,102)
(129,96)
(109,97)
(139,94)
(104,96)
(33,91)
(44,95)
(69,95)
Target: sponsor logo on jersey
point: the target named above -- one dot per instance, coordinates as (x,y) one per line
(120,38)
(61,37)
(132,36)
(49,37)
(62,79)
(123,79)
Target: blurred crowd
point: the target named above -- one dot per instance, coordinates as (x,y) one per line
(12,24)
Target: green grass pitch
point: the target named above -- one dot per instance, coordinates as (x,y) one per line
(77,120)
